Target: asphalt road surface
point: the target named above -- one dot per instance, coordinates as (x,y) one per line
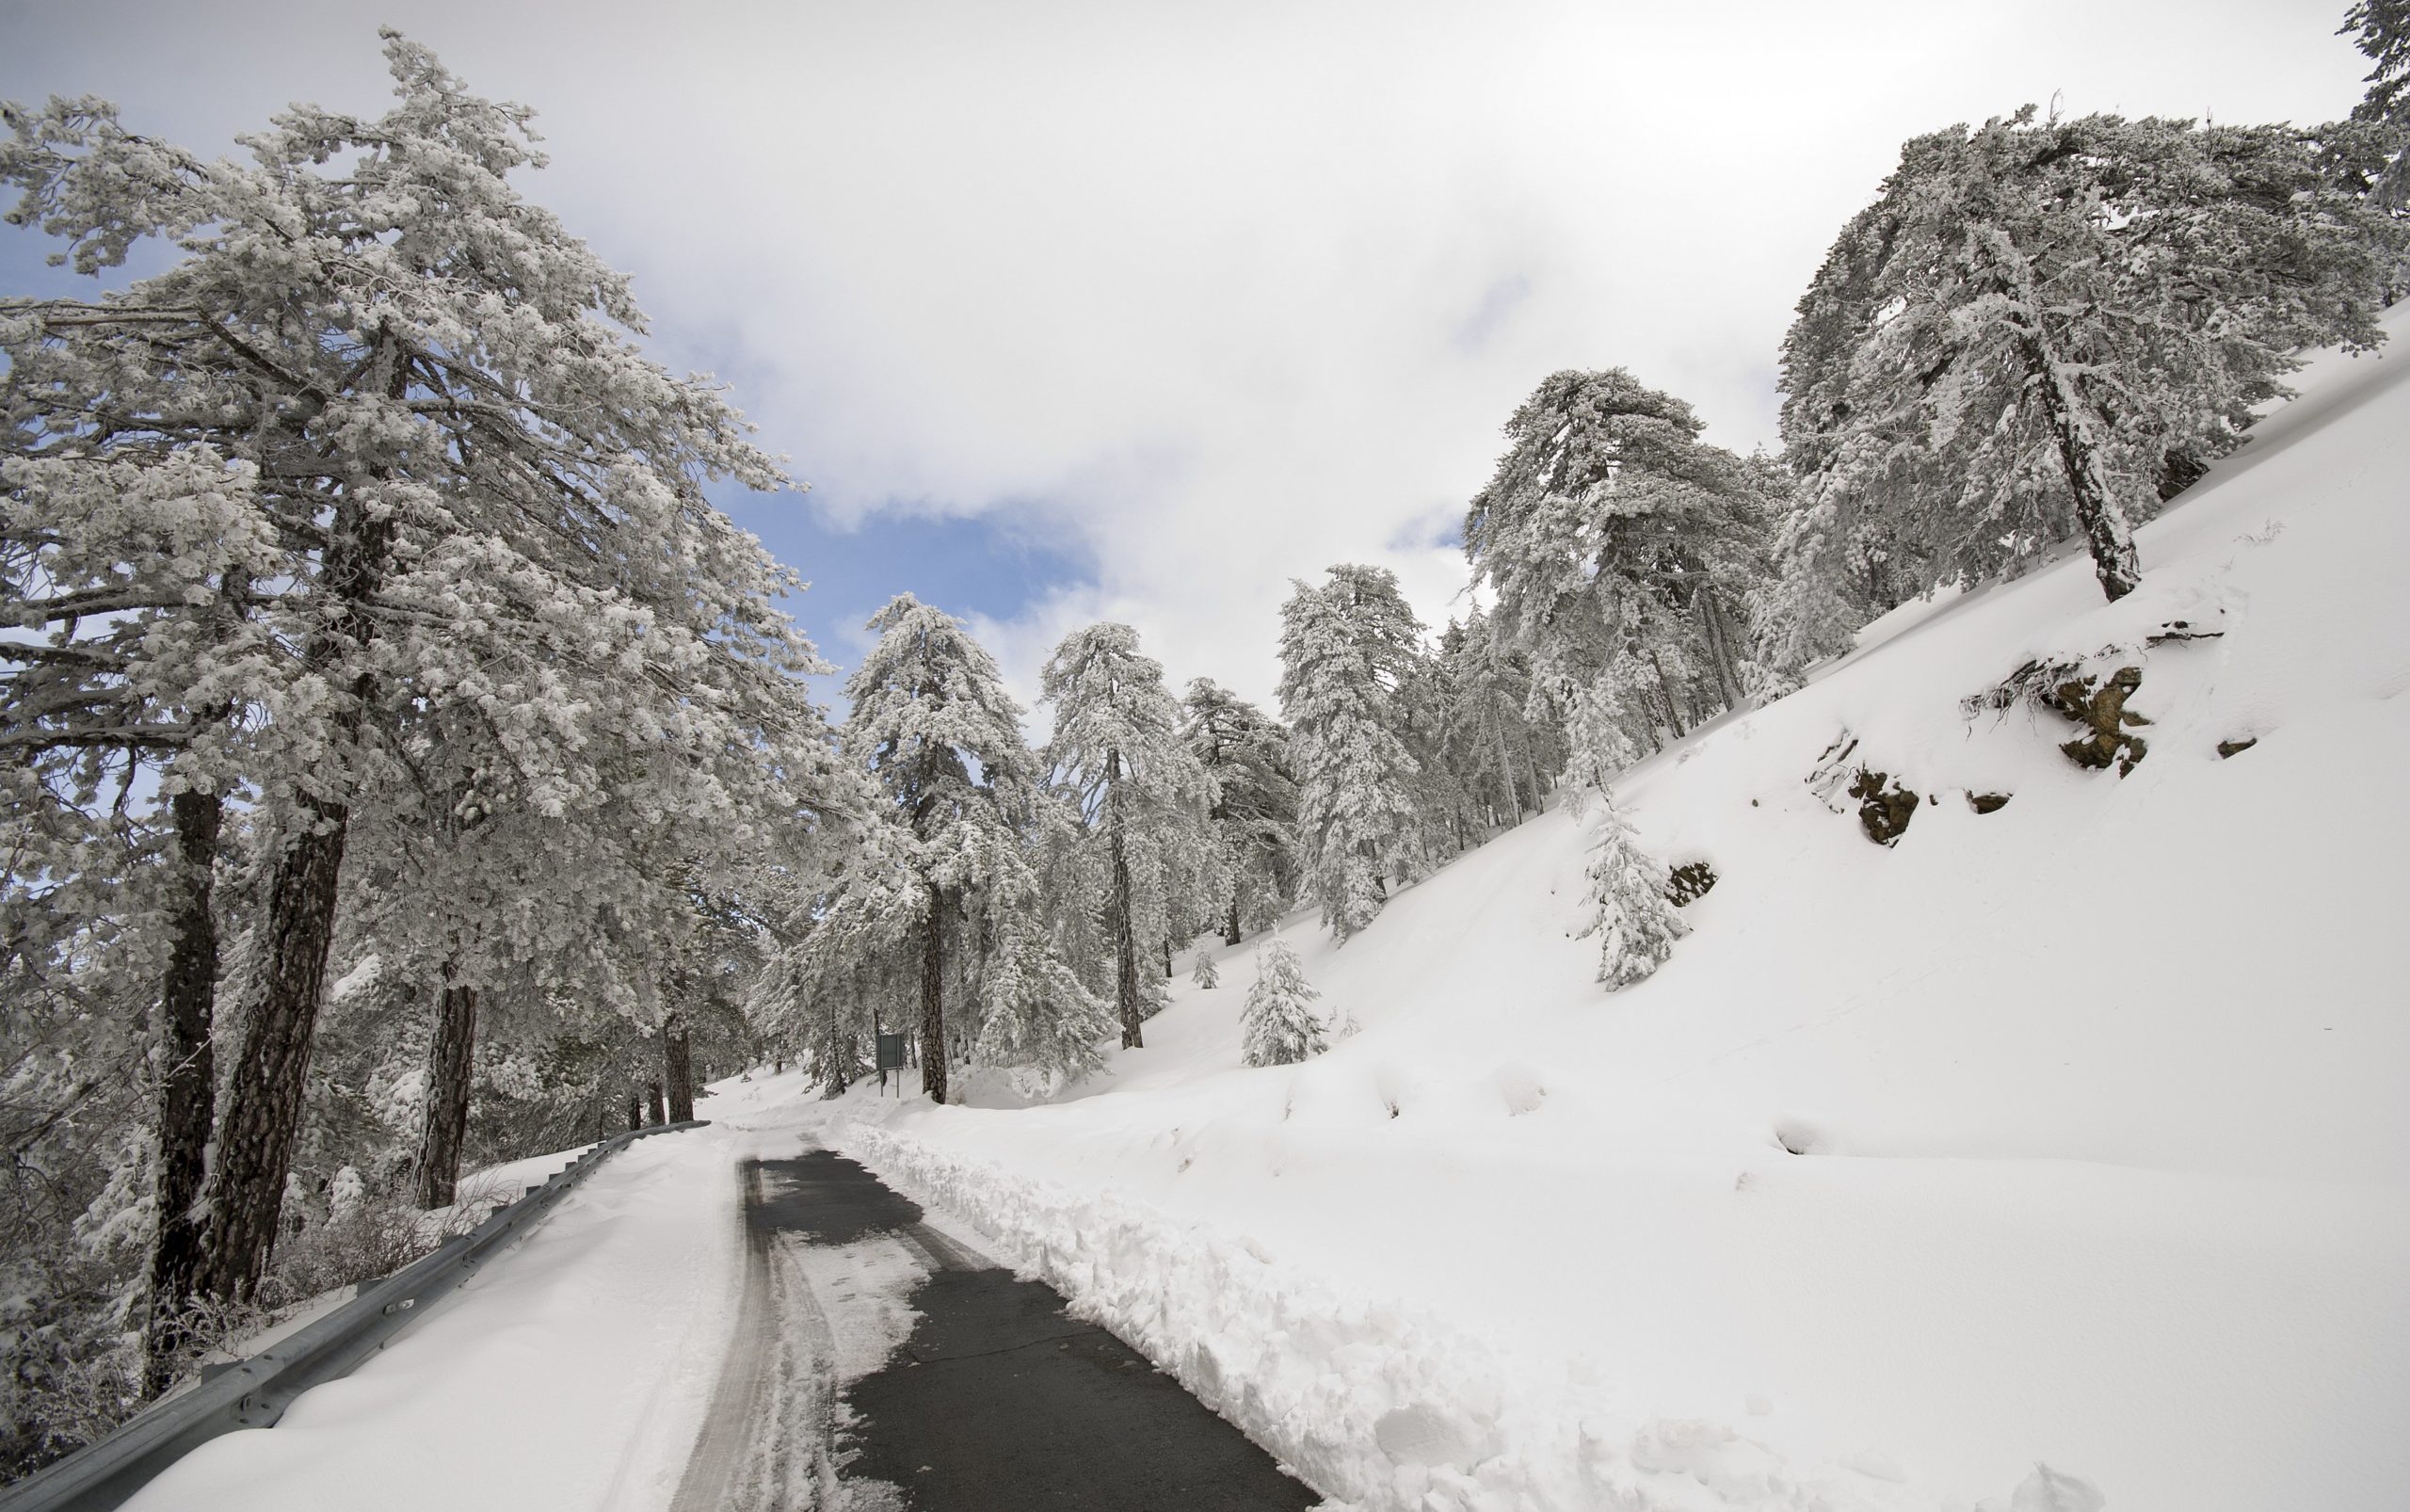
(996,1399)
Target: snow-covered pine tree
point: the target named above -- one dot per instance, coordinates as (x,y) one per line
(2381,28)
(480,897)
(1636,924)
(1205,975)
(1347,647)
(1039,1017)
(1117,751)
(1164,898)
(480,492)
(135,569)
(843,959)
(1596,747)
(932,720)
(1448,814)
(72,1003)
(1036,1014)
(1503,754)
(1074,878)
(1245,756)
(2043,329)
(1623,549)
(1278,1024)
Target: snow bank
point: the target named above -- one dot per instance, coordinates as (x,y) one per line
(1376,1402)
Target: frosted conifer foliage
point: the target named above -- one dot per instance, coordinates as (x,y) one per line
(2044,329)
(845,958)
(1038,1015)
(2382,30)
(1280,1024)
(933,722)
(1623,548)
(459,498)
(1636,924)
(1502,753)
(1347,649)
(1205,975)
(1596,748)
(1246,758)
(1116,750)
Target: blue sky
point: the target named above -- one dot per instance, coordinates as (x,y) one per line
(994,565)
(1072,309)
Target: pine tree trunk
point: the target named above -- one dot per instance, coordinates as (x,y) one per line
(652,1101)
(1673,711)
(1167,970)
(933,1066)
(1506,774)
(187,1088)
(263,1099)
(836,1056)
(1719,649)
(450,1062)
(677,1068)
(2077,425)
(1231,935)
(635,1113)
(263,1112)
(1125,941)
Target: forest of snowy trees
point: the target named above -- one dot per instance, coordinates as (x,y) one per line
(409,769)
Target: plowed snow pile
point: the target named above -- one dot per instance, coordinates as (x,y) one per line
(2071,1132)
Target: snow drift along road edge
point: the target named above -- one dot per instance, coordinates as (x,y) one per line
(1376,1403)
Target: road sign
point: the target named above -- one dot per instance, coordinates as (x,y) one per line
(891,1058)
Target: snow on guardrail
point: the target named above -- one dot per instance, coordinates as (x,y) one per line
(255,1392)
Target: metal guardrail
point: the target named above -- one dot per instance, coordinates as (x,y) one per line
(255,1392)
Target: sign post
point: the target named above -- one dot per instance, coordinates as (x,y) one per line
(891,1058)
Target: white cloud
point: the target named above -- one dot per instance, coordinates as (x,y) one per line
(1235,290)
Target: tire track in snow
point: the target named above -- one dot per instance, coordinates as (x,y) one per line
(732,1421)
(767,1437)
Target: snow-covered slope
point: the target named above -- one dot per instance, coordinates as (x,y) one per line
(2073,1132)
